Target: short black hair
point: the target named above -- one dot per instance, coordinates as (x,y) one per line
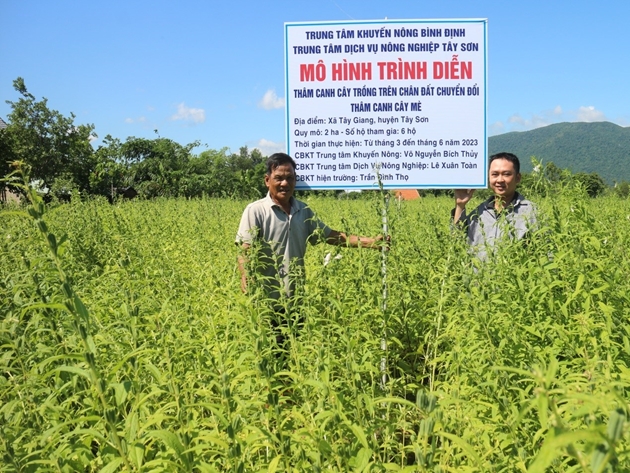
(278,159)
(510,157)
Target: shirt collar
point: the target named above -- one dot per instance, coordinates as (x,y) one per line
(270,203)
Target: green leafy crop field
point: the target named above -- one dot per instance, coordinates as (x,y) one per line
(126,344)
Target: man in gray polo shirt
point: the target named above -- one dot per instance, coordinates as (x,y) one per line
(506,213)
(279,226)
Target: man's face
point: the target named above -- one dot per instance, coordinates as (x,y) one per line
(281,183)
(503,178)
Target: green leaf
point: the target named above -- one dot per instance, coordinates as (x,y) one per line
(42,305)
(396,400)
(616,422)
(273,466)
(90,343)
(465,446)
(52,242)
(509,369)
(75,370)
(206,468)
(136,453)
(362,459)
(359,434)
(578,286)
(121,390)
(543,407)
(598,458)
(172,441)
(112,466)
(155,372)
(81,309)
(553,447)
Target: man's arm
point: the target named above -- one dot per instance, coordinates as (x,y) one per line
(354,241)
(248,231)
(243,261)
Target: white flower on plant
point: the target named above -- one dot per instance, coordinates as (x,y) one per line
(328,257)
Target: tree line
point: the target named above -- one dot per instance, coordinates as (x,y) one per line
(63,161)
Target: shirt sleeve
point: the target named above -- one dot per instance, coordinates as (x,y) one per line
(248,228)
(533,218)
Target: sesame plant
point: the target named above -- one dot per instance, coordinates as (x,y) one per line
(127,345)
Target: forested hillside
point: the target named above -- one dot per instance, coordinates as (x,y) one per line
(601,147)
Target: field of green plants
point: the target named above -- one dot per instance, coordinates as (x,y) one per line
(126,344)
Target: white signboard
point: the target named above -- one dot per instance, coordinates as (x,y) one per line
(401,99)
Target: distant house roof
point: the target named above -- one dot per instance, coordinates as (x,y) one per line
(2,124)
(407,194)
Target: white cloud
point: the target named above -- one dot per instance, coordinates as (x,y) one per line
(517,119)
(547,117)
(590,114)
(271,101)
(536,121)
(196,115)
(137,120)
(267,148)
(497,128)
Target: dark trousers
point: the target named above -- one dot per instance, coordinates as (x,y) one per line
(283,322)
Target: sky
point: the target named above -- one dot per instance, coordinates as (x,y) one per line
(213,71)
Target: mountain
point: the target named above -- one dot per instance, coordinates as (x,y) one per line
(600,147)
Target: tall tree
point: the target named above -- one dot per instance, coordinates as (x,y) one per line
(110,170)
(50,143)
(6,155)
(158,166)
(592,183)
